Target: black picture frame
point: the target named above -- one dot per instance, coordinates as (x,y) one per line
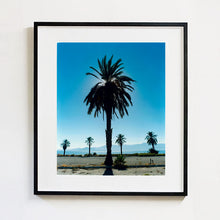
(185,110)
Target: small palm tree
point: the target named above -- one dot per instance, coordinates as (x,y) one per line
(109,96)
(120,140)
(89,141)
(151,139)
(65,144)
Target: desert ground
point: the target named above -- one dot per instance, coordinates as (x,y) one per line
(137,165)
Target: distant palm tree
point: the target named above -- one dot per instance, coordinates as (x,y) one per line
(108,95)
(120,140)
(65,144)
(89,141)
(151,139)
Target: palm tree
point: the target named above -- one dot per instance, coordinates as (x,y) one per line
(151,139)
(120,140)
(65,144)
(109,96)
(89,141)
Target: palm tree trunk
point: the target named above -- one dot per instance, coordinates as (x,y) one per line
(121,148)
(89,149)
(108,131)
(153,146)
(64,151)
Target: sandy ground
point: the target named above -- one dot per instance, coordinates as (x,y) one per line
(147,171)
(75,162)
(97,161)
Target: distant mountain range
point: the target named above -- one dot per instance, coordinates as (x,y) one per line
(127,149)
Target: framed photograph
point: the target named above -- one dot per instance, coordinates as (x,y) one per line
(110,108)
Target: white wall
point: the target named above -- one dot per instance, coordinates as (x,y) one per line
(16,113)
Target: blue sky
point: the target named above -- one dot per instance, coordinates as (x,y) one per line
(144,62)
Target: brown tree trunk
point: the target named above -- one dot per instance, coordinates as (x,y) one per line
(89,149)
(108,131)
(121,148)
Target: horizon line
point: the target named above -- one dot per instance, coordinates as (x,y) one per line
(105,145)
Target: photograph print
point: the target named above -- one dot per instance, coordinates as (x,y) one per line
(111,108)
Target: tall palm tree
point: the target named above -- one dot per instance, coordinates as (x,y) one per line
(65,144)
(109,96)
(89,141)
(151,139)
(120,140)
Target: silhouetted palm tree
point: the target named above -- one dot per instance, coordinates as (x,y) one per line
(120,140)
(65,144)
(89,141)
(151,139)
(109,95)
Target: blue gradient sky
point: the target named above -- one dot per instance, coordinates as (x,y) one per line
(144,62)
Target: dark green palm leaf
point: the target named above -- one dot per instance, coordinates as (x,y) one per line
(93,75)
(111,91)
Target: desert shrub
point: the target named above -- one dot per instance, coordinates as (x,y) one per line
(101,155)
(147,154)
(61,155)
(64,165)
(153,151)
(115,155)
(94,154)
(143,154)
(120,162)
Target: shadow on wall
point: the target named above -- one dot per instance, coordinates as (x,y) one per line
(30,103)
